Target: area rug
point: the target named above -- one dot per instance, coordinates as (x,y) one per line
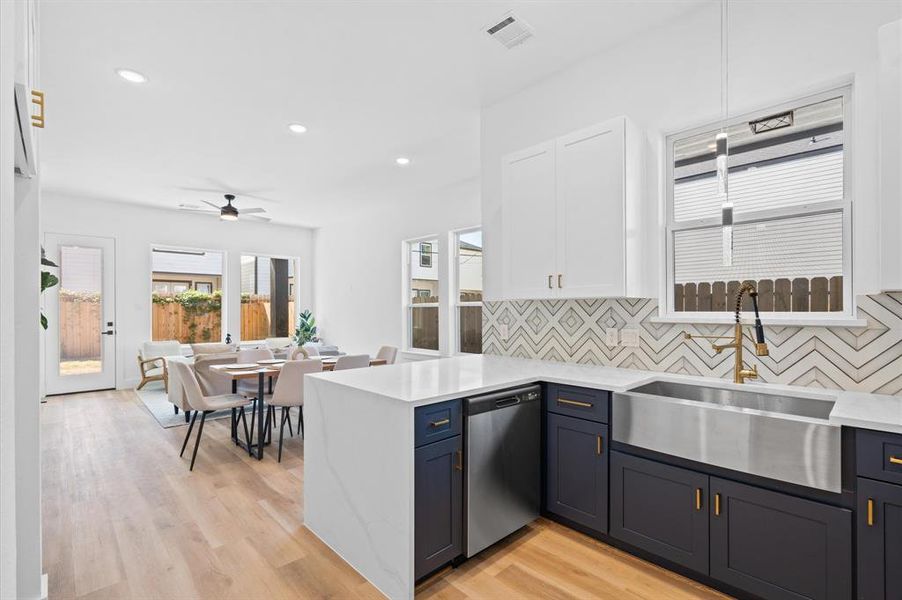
(155,400)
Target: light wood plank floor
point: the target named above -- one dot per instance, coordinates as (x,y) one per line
(124,518)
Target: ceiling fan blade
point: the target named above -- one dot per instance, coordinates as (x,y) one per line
(250,211)
(211,204)
(259,217)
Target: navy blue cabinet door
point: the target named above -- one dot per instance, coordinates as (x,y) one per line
(879,540)
(778,546)
(661,509)
(438,504)
(577,471)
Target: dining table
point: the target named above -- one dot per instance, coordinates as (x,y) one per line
(264,371)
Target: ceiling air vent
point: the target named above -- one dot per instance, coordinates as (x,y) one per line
(510,31)
(772,122)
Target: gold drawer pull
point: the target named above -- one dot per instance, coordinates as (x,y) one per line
(599,445)
(440,423)
(716,505)
(698,498)
(870,512)
(460,460)
(574,403)
(896,460)
(37,98)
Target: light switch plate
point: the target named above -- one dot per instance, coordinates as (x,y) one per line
(629,337)
(611,337)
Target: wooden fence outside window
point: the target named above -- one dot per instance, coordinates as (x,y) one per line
(818,294)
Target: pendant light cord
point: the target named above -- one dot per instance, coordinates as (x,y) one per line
(724,62)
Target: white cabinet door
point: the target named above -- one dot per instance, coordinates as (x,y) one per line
(529,222)
(590,212)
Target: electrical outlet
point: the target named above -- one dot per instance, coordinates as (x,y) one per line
(503,331)
(629,337)
(610,336)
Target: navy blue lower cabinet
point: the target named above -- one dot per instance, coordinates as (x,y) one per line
(661,509)
(879,540)
(577,471)
(778,546)
(438,504)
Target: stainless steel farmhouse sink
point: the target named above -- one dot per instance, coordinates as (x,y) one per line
(774,435)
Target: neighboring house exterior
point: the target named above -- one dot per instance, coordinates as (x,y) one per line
(174,272)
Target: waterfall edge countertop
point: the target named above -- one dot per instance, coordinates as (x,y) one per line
(425,382)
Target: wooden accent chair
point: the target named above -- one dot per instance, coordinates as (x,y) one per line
(152,361)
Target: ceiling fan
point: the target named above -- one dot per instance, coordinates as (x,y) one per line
(227,212)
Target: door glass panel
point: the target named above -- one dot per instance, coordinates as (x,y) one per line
(81,310)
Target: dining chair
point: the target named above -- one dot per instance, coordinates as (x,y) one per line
(311,349)
(205,405)
(352,361)
(289,393)
(389,353)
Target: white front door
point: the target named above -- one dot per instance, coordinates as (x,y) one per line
(81,334)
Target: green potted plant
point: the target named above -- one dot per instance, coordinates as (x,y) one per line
(48,280)
(306,329)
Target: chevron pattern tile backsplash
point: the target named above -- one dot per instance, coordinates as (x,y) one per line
(866,359)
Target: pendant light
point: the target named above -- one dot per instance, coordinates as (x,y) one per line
(721,141)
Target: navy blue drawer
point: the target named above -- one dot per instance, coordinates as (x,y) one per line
(436,422)
(879,455)
(581,403)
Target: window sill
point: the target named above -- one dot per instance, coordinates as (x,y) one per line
(414,354)
(776,320)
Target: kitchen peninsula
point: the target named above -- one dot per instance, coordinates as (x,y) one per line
(364,434)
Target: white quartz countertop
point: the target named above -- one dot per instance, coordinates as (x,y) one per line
(429,381)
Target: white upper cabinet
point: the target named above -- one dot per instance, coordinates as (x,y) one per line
(567,207)
(529,222)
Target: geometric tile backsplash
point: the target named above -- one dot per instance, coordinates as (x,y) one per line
(867,358)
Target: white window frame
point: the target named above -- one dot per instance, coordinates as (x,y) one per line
(456,304)
(847,316)
(407,306)
(292,293)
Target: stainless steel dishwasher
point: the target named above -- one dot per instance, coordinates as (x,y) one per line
(503,480)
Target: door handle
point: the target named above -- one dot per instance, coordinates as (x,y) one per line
(460,460)
(870,512)
(599,445)
(549,282)
(717,505)
(107,332)
(698,498)
(559,280)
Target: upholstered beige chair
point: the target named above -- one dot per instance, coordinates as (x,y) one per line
(205,405)
(289,393)
(311,349)
(211,348)
(152,361)
(352,361)
(389,353)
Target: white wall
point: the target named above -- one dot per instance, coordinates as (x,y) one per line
(137,228)
(669,79)
(358,283)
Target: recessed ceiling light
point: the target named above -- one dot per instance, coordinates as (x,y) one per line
(403,161)
(296,128)
(131,76)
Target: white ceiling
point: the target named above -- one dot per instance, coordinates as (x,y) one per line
(371,81)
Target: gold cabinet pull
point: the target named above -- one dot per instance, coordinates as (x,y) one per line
(559,279)
(896,460)
(439,423)
(574,403)
(698,498)
(870,512)
(37,98)
(549,282)
(717,505)
(599,445)
(460,461)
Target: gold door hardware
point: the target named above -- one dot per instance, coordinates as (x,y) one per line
(698,498)
(37,98)
(574,403)
(440,423)
(896,460)
(599,445)
(717,505)
(870,512)
(559,279)
(549,282)
(460,460)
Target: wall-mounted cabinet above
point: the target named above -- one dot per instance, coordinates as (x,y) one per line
(574,218)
